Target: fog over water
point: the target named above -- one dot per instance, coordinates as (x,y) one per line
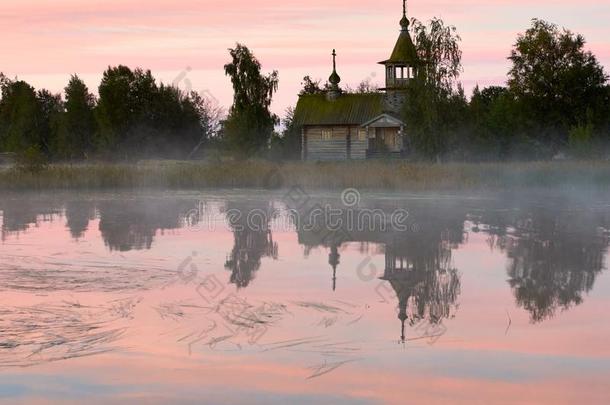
(230,296)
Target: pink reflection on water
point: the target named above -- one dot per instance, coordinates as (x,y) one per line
(491,352)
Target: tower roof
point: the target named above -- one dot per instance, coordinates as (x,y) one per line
(404,52)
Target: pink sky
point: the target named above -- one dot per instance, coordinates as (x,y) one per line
(44,41)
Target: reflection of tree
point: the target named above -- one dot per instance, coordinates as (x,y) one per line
(554,259)
(17,218)
(78,215)
(252,240)
(133,224)
(19,214)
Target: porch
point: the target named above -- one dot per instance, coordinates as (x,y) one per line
(385,135)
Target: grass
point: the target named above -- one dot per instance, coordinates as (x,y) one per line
(331,175)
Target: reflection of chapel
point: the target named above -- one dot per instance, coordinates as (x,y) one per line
(424,285)
(338,126)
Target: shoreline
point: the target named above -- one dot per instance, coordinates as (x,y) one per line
(368,175)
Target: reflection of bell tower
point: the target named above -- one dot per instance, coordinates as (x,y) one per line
(425,285)
(333,260)
(404,280)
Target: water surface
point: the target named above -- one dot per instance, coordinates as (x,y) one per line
(247,297)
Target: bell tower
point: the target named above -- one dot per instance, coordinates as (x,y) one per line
(401,67)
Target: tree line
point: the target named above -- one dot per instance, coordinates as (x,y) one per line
(556,100)
(132,117)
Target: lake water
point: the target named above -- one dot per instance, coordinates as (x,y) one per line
(297,297)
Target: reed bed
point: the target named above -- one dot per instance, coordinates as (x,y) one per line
(329,175)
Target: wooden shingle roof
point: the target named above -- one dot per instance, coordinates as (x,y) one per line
(404,52)
(347,109)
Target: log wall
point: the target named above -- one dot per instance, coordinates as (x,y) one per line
(326,143)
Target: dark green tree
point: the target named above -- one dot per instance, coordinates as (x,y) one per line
(20,115)
(436,105)
(250,123)
(287,144)
(29,122)
(177,122)
(115,106)
(311,86)
(557,81)
(291,135)
(78,125)
(437,118)
(142,119)
(209,114)
(496,129)
(604,108)
(126,112)
(438,48)
(51,110)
